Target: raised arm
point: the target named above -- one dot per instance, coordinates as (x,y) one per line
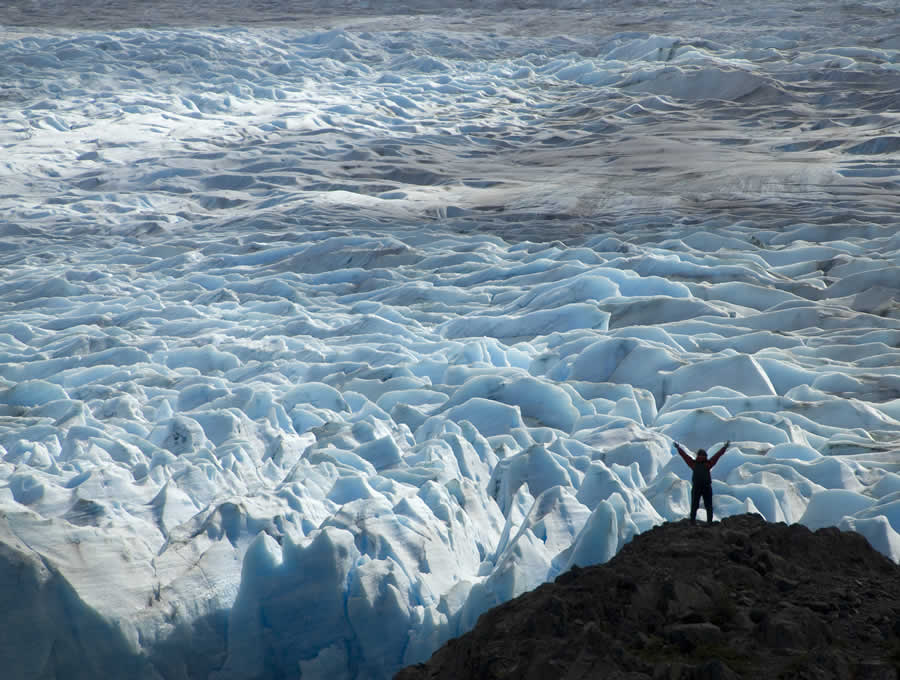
(718,454)
(683,454)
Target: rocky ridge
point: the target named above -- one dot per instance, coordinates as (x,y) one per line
(741,598)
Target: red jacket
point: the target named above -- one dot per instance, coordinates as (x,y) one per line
(701,469)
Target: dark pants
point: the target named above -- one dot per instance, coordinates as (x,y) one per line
(705,492)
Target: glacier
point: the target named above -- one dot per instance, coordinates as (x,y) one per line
(325,328)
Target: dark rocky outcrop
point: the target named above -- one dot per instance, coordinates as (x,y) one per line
(742,598)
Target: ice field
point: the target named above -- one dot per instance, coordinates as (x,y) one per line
(323,329)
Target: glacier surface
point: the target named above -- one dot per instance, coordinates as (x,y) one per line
(327,327)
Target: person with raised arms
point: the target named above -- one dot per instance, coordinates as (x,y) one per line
(701,480)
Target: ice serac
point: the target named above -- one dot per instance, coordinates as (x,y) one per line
(298,591)
(599,540)
(530,324)
(741,372)
(48,630)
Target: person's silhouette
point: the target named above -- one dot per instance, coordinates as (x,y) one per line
(701,480)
